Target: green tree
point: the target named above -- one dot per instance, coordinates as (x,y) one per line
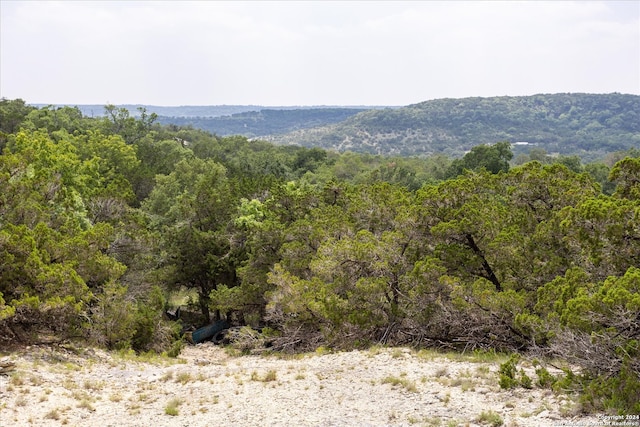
(115,164)
(606,316)
(499,238)
(571,162)
(602,235)
(57,172)
(56,248)
(119,121)
(53,120)
(193,208)
(12,115)
(626,175)
(344,269)
(600,173)
(494,158)
(157,157)
(357,288)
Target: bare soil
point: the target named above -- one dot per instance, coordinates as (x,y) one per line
(206,386)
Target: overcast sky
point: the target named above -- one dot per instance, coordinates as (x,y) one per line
(313,53)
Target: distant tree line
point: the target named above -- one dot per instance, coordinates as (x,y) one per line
(264,122)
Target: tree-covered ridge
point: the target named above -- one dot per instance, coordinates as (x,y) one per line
(587,125)
(104,220)
(265,122)
(247,120)
(97,110)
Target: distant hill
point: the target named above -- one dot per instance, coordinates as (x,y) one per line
(96,110)
(202,111)
(587,125)
(252,121)
(266,122)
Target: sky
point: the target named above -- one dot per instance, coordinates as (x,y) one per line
(296,53)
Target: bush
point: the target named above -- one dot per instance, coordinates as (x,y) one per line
(619,393)
(545,379)
(491,418)
(246,339)
(152,331)
(508,373)
(525,381)
(510,377)
(176,348)
(598,331)
(113,318)
(32,319)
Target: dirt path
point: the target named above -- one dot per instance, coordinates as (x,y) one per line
(207,387)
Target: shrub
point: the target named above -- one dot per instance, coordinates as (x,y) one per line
(491,418)
(508,373)
(172,407)
(152,331)
(510,377)
(598,331)
(545,379)
(113,318)
(619,393)
(525,380)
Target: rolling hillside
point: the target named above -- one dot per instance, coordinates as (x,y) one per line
(587,125)
(266,121)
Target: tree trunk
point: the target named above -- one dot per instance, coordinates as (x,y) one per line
(203,301)
(490,275)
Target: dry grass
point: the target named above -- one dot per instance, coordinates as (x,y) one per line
(183,377)
(402,382)
(491,418)
(171,407)
(269,376)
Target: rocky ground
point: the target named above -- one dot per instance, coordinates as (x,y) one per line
(206,386)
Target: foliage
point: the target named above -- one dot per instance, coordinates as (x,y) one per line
(12,114)
(152,331)
(545,379)
(626,174)
(192,208)
(264,122)
(511,377)
(119,121)
(113,318)
(508,373)
(64,214)
(103,220)
(589,125)
(494,158)
(491,418)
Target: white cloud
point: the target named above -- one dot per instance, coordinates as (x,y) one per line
(295,53)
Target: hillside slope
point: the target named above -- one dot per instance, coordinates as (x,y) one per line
(267,121)
(207,387)
(583,124)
